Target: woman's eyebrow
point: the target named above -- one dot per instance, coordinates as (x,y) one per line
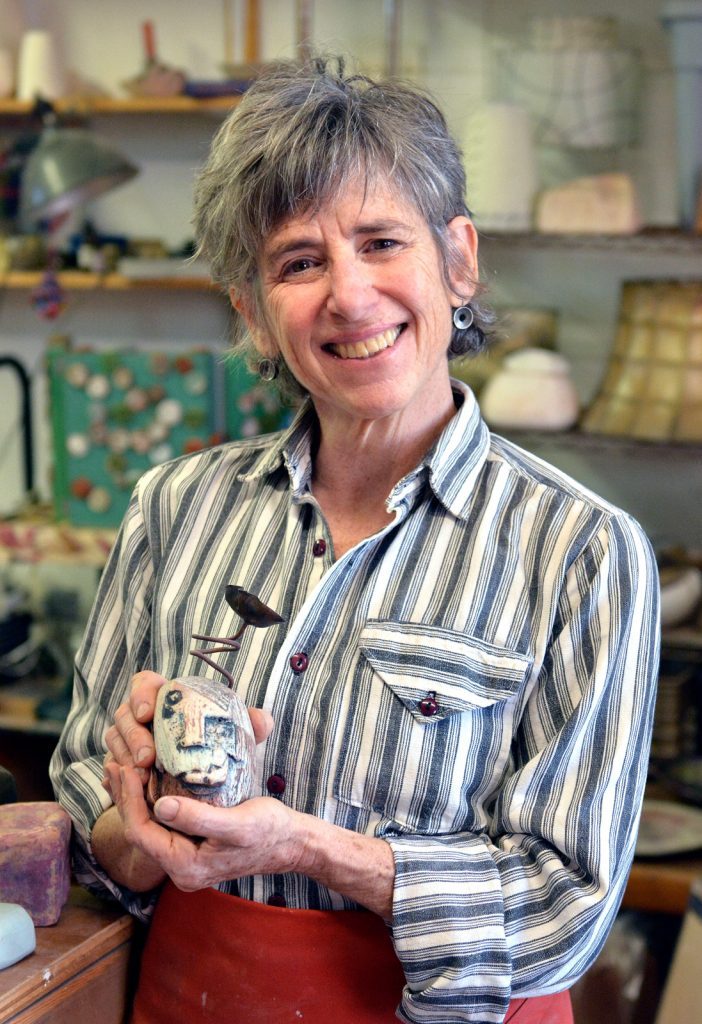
(380,227)
(284,248)
(291,245)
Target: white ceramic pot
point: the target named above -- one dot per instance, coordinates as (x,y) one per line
(681,590)
(39,71)
(532,390)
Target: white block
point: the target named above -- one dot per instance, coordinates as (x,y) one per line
(17,936)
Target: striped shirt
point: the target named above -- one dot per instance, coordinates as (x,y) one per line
(513,605)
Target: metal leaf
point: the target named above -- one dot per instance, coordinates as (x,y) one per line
(248,606)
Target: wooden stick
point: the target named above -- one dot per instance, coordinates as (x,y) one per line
(228,31)
(304,29)
(252,32)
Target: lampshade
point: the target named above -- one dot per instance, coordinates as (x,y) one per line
(68,167)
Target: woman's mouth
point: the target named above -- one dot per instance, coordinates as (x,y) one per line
(367,348)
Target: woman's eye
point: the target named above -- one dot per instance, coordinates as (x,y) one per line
(382,244)
(298,266)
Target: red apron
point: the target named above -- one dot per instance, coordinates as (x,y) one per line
(216,959)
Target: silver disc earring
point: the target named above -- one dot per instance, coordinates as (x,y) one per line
(463,318)
(268,369)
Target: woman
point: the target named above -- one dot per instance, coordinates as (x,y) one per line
(463,687)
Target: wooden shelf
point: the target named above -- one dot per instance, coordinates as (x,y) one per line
(649,242)
(78,280)
(29,725)
(84,106)
(39,539)
(605,444)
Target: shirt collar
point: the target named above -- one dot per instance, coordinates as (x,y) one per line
(453,464)
(457,459)
(292,449)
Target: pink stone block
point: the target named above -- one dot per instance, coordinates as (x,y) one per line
(34,858)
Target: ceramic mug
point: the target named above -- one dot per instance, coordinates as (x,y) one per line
(39,71)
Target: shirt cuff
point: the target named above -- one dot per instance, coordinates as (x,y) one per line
(448,930)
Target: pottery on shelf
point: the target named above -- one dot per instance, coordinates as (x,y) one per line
(533,390)
(681,591)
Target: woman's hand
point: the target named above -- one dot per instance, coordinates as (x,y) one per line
(131,750)
(130,741)
(204,845)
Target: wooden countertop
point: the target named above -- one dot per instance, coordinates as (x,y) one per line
(86,952)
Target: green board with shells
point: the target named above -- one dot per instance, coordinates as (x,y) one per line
(116,414)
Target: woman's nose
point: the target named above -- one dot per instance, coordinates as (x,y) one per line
(352,291)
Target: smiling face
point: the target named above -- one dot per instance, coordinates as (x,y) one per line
(355,299)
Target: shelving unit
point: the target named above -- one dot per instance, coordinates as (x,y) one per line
(85,106)
(649,242)
(605,444)
(78,280)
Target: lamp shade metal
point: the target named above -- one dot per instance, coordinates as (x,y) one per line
(68,167)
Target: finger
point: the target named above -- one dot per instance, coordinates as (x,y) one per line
(167,848)
(133,807)
(240,825)
(143,773)
(112,781)
(261,722)
(117,746)
(144,690)
(137,739)
(194,817)
(107,760)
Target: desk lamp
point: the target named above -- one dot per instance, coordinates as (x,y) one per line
(67,168)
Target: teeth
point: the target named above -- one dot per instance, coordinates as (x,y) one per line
(364,349)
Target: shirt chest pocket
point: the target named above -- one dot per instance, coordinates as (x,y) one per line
(429,724)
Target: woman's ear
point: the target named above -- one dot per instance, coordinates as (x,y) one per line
(463,276)
(244,305)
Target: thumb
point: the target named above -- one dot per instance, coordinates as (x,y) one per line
(261,722)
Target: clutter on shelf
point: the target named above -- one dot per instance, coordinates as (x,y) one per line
(605,204)
(579,80)
(532,390)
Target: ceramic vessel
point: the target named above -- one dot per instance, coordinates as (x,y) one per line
(204,743)
(532,391)
(39,71)
(681,591)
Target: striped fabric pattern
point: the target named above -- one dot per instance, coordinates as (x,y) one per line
(524,606)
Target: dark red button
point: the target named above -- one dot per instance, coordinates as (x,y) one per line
(276,899)
(276,785)
(320,546)
(428,706)
(298,662)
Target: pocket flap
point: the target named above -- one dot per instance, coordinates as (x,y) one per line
(463,672)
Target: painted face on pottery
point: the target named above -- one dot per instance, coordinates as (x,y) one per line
(202,733)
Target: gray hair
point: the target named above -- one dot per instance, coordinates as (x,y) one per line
(300,132)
